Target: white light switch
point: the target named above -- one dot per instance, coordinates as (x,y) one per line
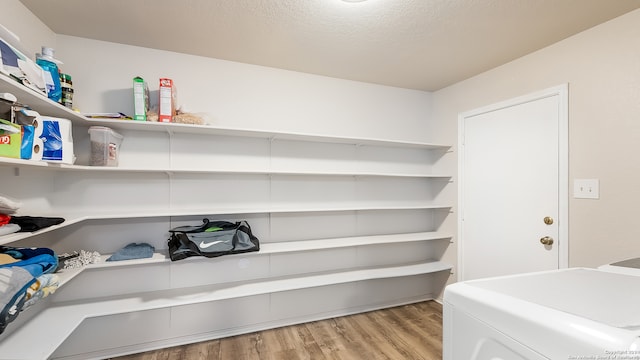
(586,188)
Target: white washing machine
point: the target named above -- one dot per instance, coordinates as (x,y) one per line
(575,313)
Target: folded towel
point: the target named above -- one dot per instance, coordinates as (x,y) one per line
(9,229)
(37,261)
(7,259)
(133,251)
(16,278)
(14,282)
(43,286)
(8,206)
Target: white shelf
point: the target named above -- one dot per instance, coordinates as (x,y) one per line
(6,239)
(292,246)
(266,210)
(256,133)
(57,322)
(71,219)
(253,210)
(310,173)
(40,103)
(270,248)
(18,163)
(201,294)
(66,275)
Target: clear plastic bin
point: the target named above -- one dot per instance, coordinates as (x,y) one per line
(105,145)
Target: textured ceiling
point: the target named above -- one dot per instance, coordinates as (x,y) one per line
(417,44)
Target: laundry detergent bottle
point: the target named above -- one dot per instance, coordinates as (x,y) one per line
(52,75)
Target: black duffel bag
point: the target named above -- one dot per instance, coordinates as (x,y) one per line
(211,239)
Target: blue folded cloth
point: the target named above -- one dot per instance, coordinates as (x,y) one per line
(133,251)
(37,261)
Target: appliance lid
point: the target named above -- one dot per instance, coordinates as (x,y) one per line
(630,263)
(604,297)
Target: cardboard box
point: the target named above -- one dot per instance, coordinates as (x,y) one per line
(140,99)
(10,140)
(167,100)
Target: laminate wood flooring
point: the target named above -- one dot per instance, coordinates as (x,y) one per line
(409,332)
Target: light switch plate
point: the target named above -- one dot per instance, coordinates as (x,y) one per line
(586,188)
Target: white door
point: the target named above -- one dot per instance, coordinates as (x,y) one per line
(513,186)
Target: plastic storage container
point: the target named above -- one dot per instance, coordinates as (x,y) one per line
(105,145)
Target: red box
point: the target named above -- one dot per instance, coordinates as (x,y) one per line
(167,100)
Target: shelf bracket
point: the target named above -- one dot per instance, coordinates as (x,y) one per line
(16,171)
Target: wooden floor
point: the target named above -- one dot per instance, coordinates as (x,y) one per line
(405,332)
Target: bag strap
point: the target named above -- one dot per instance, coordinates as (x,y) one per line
(191,229)
(206,224)
(244,227)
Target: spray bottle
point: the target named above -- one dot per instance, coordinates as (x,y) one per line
(52,76)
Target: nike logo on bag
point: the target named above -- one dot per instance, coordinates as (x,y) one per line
(205,245)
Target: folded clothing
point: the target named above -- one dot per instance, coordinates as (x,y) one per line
(133,251)
(8,206)
(44,286)
(37,261)
(34,223)
(9,229)
(14,282)
(7,259)
(17,276)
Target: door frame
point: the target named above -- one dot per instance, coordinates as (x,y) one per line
(562,91)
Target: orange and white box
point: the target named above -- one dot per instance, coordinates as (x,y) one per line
(167,100)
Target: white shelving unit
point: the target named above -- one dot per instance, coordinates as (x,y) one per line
(346,225)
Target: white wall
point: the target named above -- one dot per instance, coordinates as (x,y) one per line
(242,95)
(602,67)
(22,22)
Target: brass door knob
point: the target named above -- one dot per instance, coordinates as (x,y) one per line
(547,240)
